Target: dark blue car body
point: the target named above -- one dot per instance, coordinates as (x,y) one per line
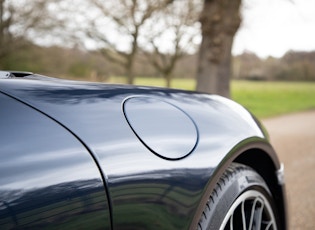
(78,155)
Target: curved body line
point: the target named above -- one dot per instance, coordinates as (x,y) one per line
(92,154)
(173,189)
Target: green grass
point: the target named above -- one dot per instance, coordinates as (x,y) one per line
(264,99)
(179,83)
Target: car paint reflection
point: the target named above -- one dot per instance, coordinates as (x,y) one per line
(63,205)
(146,191)
(47,176)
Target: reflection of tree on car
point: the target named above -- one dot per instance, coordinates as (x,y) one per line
(140,157)
(60,205)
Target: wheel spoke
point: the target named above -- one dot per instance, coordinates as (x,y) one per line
(256,214)
(250,211)
(231,222)
(243,215)
(269,225)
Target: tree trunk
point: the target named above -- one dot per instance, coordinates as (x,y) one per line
(167,77)
(220,20)
(130,77)
(129,71)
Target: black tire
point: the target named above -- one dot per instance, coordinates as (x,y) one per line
(241,197)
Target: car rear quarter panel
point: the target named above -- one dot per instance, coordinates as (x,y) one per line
(146,191)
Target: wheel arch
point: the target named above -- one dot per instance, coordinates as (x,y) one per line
(259,155)
(260,160)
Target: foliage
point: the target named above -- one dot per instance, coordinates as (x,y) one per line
(293,66)
(76,63)
(263,98)
(59,62)
(21,21)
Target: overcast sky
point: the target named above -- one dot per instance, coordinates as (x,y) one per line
(272,27)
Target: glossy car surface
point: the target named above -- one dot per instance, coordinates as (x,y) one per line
(90,155)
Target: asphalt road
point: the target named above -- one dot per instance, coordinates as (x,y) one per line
(293,137)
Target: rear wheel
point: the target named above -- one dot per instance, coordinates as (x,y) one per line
(240,200)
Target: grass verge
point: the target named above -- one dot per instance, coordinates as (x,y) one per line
(266,99)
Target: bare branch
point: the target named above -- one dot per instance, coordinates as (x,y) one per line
(172,24)
(125,19)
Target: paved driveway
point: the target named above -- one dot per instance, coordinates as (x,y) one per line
(293,137)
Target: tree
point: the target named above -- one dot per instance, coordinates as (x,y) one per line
(220,20)
(21,21)
(115,27)
(177,29)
